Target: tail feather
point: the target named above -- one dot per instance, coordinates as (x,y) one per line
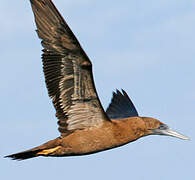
(24,155)
(46,149)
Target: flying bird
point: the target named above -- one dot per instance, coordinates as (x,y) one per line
(84,126)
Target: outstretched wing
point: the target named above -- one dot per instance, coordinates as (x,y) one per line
(67,70)
(121,106)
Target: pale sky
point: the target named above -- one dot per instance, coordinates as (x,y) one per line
(144,47)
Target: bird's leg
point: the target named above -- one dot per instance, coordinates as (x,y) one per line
(47,152)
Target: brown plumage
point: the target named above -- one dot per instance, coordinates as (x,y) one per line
(84,126)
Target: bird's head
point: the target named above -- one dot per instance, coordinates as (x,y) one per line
(155,127)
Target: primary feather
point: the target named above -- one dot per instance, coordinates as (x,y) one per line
(121,106)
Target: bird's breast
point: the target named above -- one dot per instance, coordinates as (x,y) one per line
(106,136)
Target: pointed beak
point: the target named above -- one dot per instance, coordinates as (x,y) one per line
(170,132)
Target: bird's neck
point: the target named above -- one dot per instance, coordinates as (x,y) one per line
(128,129)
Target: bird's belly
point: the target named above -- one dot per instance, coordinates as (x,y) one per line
(87,143)
(96,139)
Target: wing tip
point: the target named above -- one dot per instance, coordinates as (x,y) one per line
(121,106)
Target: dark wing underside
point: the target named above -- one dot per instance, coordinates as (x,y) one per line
(121,106)
(67,70)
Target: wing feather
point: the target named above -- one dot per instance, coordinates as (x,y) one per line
(121,106)
(67,70)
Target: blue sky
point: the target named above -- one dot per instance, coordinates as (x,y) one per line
(144,47)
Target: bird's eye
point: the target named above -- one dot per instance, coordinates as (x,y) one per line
(163,127)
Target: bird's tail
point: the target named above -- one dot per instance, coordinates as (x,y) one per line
(50,148)
(24,155)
